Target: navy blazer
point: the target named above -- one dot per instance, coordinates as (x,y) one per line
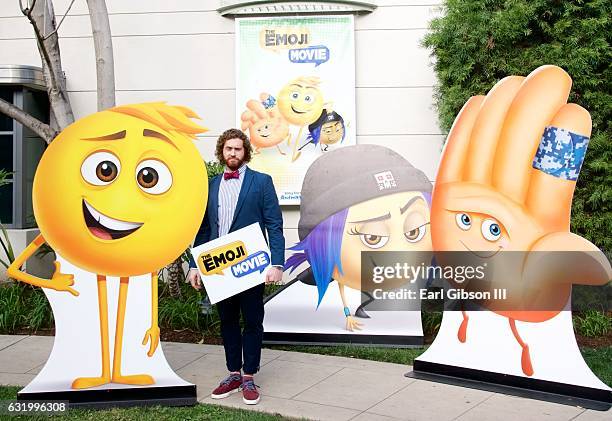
(257,202)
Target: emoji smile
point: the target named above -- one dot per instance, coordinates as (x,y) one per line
(482,255)
(105,227)
(298,112)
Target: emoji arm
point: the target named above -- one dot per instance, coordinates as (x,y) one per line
(153,332)
(346,309)
(14,271)
(351,323)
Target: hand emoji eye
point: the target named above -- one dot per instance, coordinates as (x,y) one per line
(153,177)
(100,168)
(463,221)
(373,241)
(415,235)
(491,230)
(295,95)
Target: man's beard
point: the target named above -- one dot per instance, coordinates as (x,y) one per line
(234,164)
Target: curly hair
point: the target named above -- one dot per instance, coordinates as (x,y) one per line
(233,134)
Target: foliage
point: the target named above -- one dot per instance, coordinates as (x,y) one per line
(598,360)
(431,322)
(476,43)
(23,307)
(4,176)
(180,313)
(593,323)
(213,168)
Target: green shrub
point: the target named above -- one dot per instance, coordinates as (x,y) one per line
(476,43)
(593,323)
(23,307)
(431,322)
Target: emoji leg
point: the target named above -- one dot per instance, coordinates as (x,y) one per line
(137,379)
(525,356)
(280,151)
(462,333)
(86,382)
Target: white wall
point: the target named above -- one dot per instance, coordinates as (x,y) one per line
(183,52)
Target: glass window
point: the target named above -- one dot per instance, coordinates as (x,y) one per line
(6,204)
(6,123)
(6,152)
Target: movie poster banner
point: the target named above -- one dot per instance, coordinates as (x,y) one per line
(295,93)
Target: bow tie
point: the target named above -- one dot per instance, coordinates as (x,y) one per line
(230,175)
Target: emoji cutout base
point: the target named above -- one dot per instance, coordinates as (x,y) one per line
(491,355)
(77,352)
(292,317)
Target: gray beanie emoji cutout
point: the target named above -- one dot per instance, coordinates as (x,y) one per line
(351,175)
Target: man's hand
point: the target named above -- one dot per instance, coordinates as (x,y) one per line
(274,275)
(194,279)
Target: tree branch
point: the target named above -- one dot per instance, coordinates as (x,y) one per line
(103,45)
(60,22)
(41,129)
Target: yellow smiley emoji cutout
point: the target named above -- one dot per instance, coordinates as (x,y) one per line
(120,193)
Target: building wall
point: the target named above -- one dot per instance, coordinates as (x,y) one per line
(183,53)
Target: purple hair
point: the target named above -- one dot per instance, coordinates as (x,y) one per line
(321,248)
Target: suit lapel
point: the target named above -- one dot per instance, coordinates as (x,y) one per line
(213,208)
(244,191)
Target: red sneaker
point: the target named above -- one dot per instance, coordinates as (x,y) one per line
(228,386)
(250,395)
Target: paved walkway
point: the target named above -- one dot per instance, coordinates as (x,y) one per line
(319,387)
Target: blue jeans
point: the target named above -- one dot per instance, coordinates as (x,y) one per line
(245,344)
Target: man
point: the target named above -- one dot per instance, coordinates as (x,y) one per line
(237,198)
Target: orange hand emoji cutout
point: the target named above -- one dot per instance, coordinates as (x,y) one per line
(492,197)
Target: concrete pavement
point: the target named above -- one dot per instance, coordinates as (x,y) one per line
(319,387)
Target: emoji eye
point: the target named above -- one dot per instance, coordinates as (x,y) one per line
(308,99)
(100,168)
(463,221)
(295,95)
(490,230)
(153,176)
(415,235)
(373,241)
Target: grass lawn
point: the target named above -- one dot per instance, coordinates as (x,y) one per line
(598,359)
(197,412)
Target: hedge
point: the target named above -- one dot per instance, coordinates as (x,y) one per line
(475,43)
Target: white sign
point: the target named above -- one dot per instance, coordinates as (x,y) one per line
(233,263)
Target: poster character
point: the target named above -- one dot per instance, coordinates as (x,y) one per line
(327,130)
(301,102)
(266,125)
(354,199)
(119,193)
(505,184)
